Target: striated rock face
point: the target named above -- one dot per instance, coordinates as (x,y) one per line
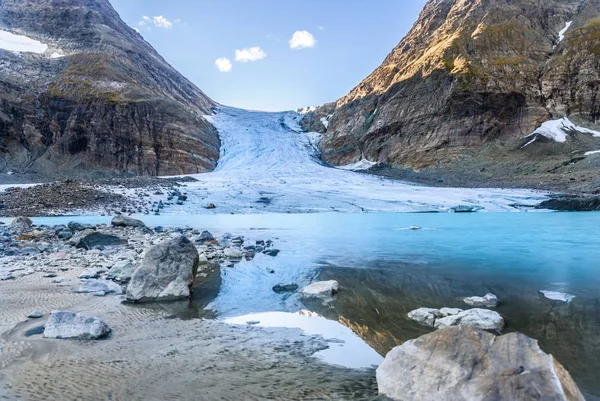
(98,99)
(466,86)
(463,363)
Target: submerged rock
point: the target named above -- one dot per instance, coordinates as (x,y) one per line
(124,221)
(75,325)
(321,288)
(166,273)
(463,363)
(558,296)
(281,288)
(487,301)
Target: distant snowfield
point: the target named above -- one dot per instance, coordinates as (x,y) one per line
(268,165)
(18,43)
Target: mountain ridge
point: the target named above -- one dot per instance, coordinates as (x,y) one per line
(100,100)
(466,86)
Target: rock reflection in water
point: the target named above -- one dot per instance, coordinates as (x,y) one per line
(374,302)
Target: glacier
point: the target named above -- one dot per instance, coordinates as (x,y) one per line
(269,165)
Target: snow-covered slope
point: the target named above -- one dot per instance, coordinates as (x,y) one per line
(268,164)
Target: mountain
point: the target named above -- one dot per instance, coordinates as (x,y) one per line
(82,93)
(457,101)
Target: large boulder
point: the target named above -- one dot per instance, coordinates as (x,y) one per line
(124,221)
(75,325)
(21,225)
(95,239)
(463,363)
(166,273)
(320,289)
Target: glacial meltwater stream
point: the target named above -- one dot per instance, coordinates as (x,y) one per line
(386,270)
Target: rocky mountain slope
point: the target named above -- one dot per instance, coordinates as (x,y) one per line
(82,93)
(460,97)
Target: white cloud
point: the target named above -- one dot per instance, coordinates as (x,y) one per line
(144,21)
(250,54)
(302,39)
(158,21)
(321,28)
(162,22)
(223,64)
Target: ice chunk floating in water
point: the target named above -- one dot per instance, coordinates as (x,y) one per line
(268,165)
(346,349)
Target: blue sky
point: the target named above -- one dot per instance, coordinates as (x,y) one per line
(351,38)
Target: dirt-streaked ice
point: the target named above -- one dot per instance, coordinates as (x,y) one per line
(268,164)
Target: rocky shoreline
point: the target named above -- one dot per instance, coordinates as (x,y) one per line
(142,195)
(83,272)
(72,281)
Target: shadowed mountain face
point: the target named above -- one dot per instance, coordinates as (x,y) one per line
(469,82)
(98,99)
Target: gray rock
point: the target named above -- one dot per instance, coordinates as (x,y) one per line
(21,225)
(206,236)
(36,314)
(65,234)
(75,226)
(425,316)
(166,273)
(121,272)
(466,364)
(124,221)
(96,239)
(487,301)
(484,319)
(30,251)
(75,325)
(96,286)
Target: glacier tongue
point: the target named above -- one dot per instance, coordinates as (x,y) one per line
(269,165)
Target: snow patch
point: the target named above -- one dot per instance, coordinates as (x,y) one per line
(345,348)
(359,165)
(593,152)
(18,43)
(561,34)
(558,296)
(56,55)
(325,122)
(558,130)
